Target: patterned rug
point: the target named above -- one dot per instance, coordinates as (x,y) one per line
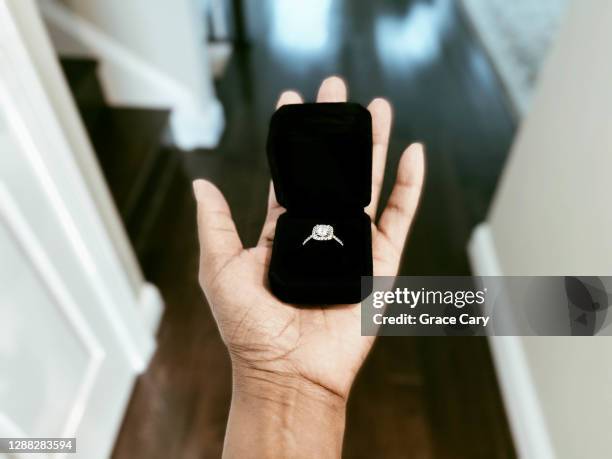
(517,36)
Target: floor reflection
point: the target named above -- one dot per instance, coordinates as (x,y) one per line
(414,39)
(302,28)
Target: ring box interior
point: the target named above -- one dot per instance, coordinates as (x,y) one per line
(320,158)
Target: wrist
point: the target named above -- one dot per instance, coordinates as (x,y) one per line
(284,415)
(283,387)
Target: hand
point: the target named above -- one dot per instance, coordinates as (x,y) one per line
(278,349)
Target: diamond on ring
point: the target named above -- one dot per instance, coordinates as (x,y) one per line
(322,233)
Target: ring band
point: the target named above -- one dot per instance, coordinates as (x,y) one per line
(323,233)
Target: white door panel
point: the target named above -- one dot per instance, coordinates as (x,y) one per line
(72,334)
(64,369)
(38,315)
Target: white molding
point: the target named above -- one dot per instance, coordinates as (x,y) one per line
(128,79)
(195,126)
(9,428)
(62,225)
(151,305)
(138,346)
(63,300)
(481,252)
(219,53)
(36,129)
(527,421)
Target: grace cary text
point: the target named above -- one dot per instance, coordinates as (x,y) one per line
(426,319)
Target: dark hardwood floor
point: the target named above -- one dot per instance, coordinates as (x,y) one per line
(415,397)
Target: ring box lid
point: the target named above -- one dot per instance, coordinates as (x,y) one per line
(320,157)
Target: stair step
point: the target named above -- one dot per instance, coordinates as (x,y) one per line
(78,70)
(128,142)
(145,219)
(174,209)
(139,170)
(82,77)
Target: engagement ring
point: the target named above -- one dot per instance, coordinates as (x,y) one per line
(322,233)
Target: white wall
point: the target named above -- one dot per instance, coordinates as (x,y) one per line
(152,53)
(169,34)
(552,215)
(552,210)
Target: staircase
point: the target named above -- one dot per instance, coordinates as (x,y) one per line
(131,144)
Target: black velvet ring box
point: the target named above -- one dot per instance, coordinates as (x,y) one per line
(320,158)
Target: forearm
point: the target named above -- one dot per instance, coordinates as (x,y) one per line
(279,416)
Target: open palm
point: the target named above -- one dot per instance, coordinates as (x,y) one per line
(265,336)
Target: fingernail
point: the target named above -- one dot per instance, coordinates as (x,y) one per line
(420,148)
(197,187)
(381,109)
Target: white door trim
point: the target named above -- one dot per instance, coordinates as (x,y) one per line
(38,131)
(527,422)
(77,333)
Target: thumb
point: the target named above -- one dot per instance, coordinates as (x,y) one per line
(219,240)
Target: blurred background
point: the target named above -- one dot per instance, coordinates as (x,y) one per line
(114,107)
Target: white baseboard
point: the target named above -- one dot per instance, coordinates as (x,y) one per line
(151,309)
(151,306)
(195,126)
(482,253)
(527,422)
(128,79)
(219,56)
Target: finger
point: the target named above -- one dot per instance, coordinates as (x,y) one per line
(287,98)
(381,126)
(219,240)
(274,210)
(332,89)
(272,202)
(398,214)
